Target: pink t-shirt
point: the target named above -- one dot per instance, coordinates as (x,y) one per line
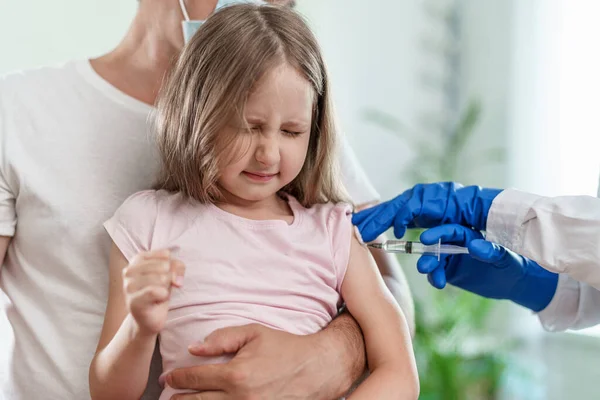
(238,271)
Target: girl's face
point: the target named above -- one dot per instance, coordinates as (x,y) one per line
(269,152)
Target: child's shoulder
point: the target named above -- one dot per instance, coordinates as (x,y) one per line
(166,215)
(157,205)
(334,221)
(154,199)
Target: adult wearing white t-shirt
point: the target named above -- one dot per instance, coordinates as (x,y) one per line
(75,142)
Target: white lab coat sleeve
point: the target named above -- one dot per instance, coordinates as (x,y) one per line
(575,305)
(562,234)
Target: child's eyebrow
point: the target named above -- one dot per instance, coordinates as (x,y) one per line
(255,120)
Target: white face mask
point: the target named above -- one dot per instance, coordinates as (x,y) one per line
(190,27)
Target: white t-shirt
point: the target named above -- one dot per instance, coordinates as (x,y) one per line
(72,149)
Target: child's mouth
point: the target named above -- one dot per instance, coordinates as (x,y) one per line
(259,177)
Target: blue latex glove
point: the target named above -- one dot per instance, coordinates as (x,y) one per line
(489,270)
(426,206)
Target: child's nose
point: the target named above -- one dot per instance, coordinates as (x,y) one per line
(267,153)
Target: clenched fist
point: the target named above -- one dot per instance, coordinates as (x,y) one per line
(147,282)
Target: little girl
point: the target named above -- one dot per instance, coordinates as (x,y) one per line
(246,224)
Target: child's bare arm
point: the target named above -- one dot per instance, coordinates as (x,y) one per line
(394,277)
(135,313)
(387,339)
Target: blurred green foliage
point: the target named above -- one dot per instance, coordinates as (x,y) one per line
(457,358)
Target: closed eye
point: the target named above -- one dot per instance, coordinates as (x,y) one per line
(291,133)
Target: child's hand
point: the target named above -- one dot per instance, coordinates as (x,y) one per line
(147,283)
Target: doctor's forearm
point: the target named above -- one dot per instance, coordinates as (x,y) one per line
(560,233)
(574,306)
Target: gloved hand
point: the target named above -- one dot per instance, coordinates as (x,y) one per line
(425,206)
(489,270)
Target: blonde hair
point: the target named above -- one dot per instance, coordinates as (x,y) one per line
(210,84)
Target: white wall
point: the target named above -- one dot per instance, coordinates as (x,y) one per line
(554,97)
(374,57)
(533,133)
(38,32)
(486,50)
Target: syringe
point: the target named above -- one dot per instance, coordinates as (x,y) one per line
(409,247)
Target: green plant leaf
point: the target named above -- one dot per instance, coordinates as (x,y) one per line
(466,126)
